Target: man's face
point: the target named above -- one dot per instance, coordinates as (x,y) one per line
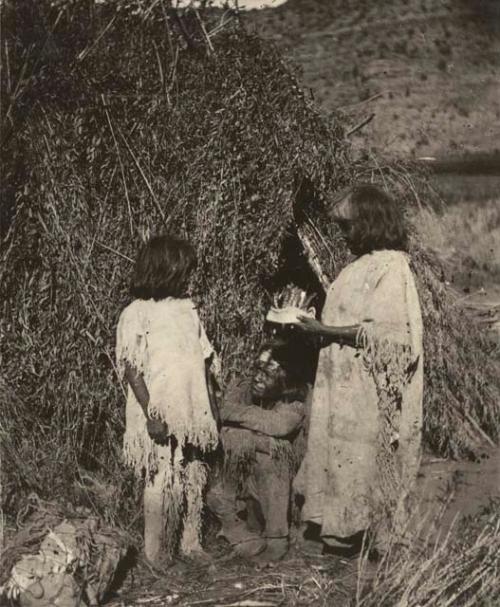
(269,377)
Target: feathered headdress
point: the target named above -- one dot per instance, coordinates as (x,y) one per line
(290,303)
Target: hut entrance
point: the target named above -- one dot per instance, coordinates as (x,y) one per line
(295,269)
(311,256)
(308,257)
(295,272)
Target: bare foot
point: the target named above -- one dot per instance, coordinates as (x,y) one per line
(198,555)
(310,547)
(276,550)
(158,564)
(250,548)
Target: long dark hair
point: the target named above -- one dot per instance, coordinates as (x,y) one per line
(163,268)
(379,221)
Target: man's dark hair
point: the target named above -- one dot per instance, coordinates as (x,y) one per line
(163,268)
(296,356)
(379,221)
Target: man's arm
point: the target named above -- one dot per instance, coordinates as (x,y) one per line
(237,411)
(278,423)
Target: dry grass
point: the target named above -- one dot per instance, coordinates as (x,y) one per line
(461,569)
(467,239)
(462,188)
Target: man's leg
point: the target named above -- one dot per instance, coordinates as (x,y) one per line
(222,499)
(272,485)
(254,518)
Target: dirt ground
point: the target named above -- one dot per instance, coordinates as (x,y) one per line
(296,581)
(450,490)
(460,488)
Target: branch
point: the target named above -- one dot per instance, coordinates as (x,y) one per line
(360,125)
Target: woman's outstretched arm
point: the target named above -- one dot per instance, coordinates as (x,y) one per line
(344,336)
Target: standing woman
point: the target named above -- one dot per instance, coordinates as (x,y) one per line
(364,440)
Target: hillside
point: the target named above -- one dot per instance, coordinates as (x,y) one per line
(428,69)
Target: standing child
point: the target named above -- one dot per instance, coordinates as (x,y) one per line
(163,353)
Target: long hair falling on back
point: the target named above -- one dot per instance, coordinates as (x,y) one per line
(163,268)
(379,221)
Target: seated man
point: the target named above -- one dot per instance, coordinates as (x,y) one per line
(263,436)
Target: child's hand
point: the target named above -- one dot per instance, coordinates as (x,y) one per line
(157,430)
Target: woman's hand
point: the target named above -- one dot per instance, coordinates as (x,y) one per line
(310,325)
(157,430)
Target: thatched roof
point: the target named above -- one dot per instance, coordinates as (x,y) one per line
(125,133)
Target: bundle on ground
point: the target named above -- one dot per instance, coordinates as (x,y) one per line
(137,122)
(59,554)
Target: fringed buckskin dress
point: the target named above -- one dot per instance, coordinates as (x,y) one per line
(165,341)
(364,441)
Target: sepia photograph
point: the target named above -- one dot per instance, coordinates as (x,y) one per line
(250,303)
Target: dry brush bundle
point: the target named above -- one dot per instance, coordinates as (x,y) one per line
(462,387)
(462,568)
(134,124)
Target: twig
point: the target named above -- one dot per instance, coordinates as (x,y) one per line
(146,181)
(150,9)
(361,125)
(222,24)
(207,37)
(364,102)
(7,66)
(160,68)
(122,167)
(313,259)
(86,51)
(173,71)
(105,246)
(149,599)
(474,424)
(242,603)
(251,603)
